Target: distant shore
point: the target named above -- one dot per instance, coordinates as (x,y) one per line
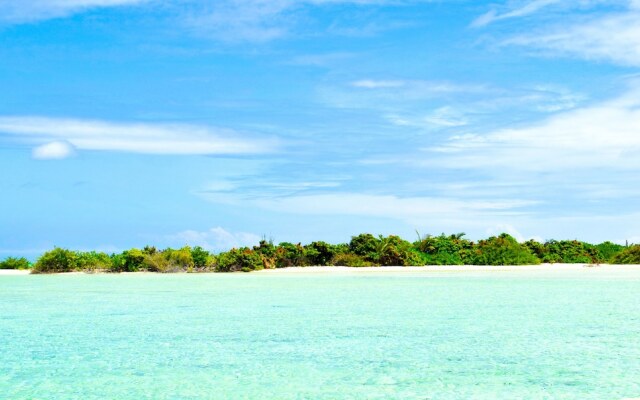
(356,270)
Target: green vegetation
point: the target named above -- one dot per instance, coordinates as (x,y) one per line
(15,263)
(362,251)
(630,255)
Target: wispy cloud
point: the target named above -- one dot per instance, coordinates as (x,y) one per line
(53,151)
(18,11)
(335,202)
(377,84)
(266,20)
(129,137)
(520,10)
(214,239)
(614,38)
(605,135)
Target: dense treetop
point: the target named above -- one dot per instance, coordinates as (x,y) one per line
(363,250)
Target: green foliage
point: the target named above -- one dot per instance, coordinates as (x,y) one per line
(607,251)
(15,263)
(503,250)
(56,260)
(290,255)
(365,245)
(92,260)
(319,253)
(130,260)
(243,259)
(630,255)
(362,250)
(202,259)
(266,248)
(446,250)
(568,251)
(349,260)
(394,250)
(168,260)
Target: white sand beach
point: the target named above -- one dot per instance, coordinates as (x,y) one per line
(453,268)
(14,272)
(542,268)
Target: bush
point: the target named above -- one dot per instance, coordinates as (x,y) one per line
(243,259)
(92,260)
(289,255)
(15,263)
(365,245)
(394,250)
(130,260)
(607,251)
(445,250)
(570,252)
(319,253)
(630,255)
(349,260)
(503,250)
(56,260)
(201,258)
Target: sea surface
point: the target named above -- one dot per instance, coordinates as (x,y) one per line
(496,335)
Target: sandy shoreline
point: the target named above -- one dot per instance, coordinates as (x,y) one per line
(426,269)
(14,272)
(455,268)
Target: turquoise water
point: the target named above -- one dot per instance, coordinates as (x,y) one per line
(368,336)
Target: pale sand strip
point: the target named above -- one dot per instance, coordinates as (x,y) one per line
(14,272)
(455,268)
(550,268)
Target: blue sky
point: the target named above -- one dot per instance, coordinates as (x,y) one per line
(215,123)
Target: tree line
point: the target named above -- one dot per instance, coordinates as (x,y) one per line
(362,251)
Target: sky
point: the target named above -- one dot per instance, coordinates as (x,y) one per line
(218,123)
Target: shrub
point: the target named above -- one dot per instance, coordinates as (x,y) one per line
(243,259)
(630,255)
(92,260)
(503,250)
(56,260)
(201,258)
(15,263)
(289,255)
(607,251)
(394,250)
(130,260)
(445,250)
(569,251)
(349,260)
(319,253)
(365,245)
(265,248)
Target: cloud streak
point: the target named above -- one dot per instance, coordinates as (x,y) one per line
(605,135)
(170,139)
(215,239)
(12,11)
(614,38)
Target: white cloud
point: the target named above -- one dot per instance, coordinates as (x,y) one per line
(614,38)
(412,210)
(605,135)
(17,11)
(522,10)
(215,239)
(53,151)
(442,117)
(134,137)
(372,84)
(261,20)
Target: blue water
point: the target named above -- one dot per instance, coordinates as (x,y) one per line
(365,336)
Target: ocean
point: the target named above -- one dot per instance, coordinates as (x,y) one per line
(392,335)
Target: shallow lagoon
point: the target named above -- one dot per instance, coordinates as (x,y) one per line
(505,335)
